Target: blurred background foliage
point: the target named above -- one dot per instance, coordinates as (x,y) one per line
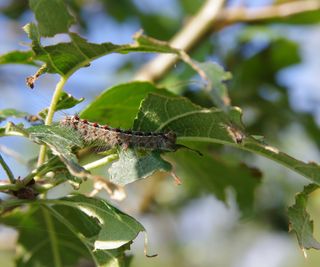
(275,65)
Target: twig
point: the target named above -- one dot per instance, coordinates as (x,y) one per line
(201,25)
(197,27)
(100,162)
(241,14)
(7,170)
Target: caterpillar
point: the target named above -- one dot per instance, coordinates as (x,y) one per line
(93,132)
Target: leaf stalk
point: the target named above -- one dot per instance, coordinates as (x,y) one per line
(53,105)
(7,170)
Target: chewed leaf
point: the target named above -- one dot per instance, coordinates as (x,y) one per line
(84,227)
(18,57)
(65,58)
(10,112)
(133,166)
(65,101)
(164,112)
(117,228)
(52,16)
(110,107)
(190,122)
(61,143)
(300,221)
(63,140)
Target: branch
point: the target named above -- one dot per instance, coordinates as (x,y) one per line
(190,35)
(209,18)
(241,14)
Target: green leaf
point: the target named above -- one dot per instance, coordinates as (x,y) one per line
(66,58)
(65,101)
(300,221)
(217,77)
(10,112)
(160,112)
(84,227)
(117,228)
(18,57)
(113,257)
(133,166)
(52,16)
(118,105)
(194,123)
(32,31)
(211,175)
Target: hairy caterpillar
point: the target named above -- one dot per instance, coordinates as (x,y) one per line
(93,132)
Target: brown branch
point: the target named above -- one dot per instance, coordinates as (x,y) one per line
(242,14)
(209,18)
(190,35)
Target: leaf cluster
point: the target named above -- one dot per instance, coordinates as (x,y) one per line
(91,228)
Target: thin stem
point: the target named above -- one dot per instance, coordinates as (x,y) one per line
(100,162)
(29,177)
(52,236)
(49,118)
(241,14)
(7,170)
(4,187)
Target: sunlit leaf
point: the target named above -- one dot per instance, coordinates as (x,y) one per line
(83,227)
(118,105)
(18,57)
(52,16)
(10,112)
